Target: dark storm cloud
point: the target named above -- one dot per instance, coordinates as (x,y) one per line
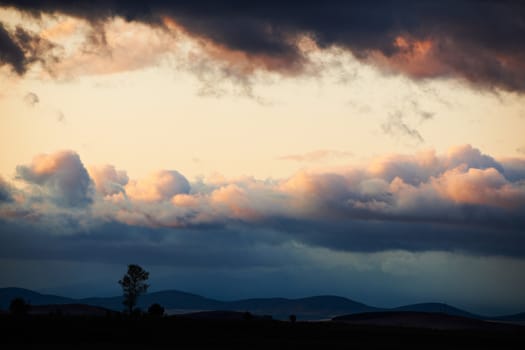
(383,235)
(10,52)
(21,48)
(247,245)
(479,41)
(120,243)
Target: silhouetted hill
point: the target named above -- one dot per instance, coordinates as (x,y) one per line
(311,308)
(317,307)
(31,297)
(170,299)
(437,308)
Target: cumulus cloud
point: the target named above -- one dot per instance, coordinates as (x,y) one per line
(480,186)
(62,176)
(460,200)
(162,185)
(479,42)
(108,180)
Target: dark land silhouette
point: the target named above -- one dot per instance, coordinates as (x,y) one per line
(235,325)
(311,308)
(232,330)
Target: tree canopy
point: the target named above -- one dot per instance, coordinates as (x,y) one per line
(133,284)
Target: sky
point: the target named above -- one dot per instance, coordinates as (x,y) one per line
(369,149)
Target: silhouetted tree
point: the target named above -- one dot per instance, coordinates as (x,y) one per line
(133,284)
(18,307)
(293,318)
(156,310)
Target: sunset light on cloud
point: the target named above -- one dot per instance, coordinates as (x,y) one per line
(350,148)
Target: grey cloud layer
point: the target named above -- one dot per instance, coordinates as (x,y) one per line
(463,200)
(479,41)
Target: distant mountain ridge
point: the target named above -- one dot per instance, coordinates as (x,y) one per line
(316,307)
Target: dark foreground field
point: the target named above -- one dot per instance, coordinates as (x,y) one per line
(175,332)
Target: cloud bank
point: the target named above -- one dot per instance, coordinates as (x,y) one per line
(462,200)
(476,41)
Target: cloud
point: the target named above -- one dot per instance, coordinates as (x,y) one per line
(108,181)
(513,168)
(480,186)
(479,42)
(395,126)
(162,185)
(424,115)
(62,176)
(472,157)
(115,46)
(20,48)
(31,99)
(10,53)
(420,167)
(316,156)
(459,200)
(5,191)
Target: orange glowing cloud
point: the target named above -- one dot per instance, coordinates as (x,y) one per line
(62,29)
(162,185)
(480,186)
(414,57)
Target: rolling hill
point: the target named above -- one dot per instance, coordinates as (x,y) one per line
(437,308)
(34,298)
(317,307)
(310,308)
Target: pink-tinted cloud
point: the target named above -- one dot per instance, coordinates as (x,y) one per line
(460,188)
(394,185)
(162,185)
(62,176)
(480,186)
(108,180)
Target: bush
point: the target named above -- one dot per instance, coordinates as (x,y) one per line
(156,310)
(18,307)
